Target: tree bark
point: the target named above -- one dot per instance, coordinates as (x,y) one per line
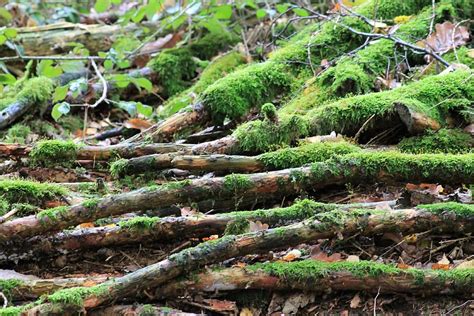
(401,281)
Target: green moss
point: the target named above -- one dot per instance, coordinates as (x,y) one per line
(139,223)
(71,123)
(54,214)
(299,211)
(32,192)
(36,90)
(313,270)
(261,136)
(212,43)
(466,210)
(349,114)
(118,167)
(346,77)
(217,69)
(148,310)
(12,310)
(91,203)
(175,67)
(374,165)
(6,101)
(235,94)
(17,134)
(204,250)
(237,226)
(308,153)
(75,296)
(236,183)
(453,141)
(269,111)
(4,206)
(6,286)
(49,153)
(24,209)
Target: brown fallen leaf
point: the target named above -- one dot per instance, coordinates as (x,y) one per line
(445,37)
(355,301)
(319,255)
(257,226)
(136,123)
(469,264)
(221,305)
(86,225)
(443,264)
(292,255)
(212,237)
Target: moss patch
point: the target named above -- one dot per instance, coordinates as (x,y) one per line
(31,192)
(49,153)
(313,270)
(139,223)
(17,134)
(217,69)
(237,183)
(308,153)
(466,210)
(453,141)
(372,165)
(75,296)
(53,214)
(261,136)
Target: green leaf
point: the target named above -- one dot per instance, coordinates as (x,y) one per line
(300,12)
(282,7)
(108,64)
(139,15)
(213,25)
(7,79)
(4,13)
(223,12)
(60,109)
(60,93)
(10,33)
(129,106)
(3,39)
(145,110)
(101,5)
(260,13)
(143,83)
(78,86)
(121,81)
(116,1)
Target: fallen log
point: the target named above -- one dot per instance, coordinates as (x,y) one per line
(352,168)
(364,276)
(145,309)
(325,225)
(91,152)
(156,229)
(52,39)
(280,159)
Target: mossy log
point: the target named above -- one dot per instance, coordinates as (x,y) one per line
(52,39)
(161,230)
(281,159)
(96,152)
(352,168)
(156,229)
(364,276)
(137,309)
(410,106)
(325,225)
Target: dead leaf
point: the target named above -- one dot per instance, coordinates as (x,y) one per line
(89,283)
(212,237)
(136,123)
(188,211)
(355,301)
(445,38)
(257,226)
(319,255)
(352,258)
(443,264)
(86,225)
(246,312)
(403,266)
(469,264)
(292,255)
(221,305)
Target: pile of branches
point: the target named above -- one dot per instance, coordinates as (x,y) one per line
(245,181)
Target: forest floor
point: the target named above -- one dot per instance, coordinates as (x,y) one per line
(214,160)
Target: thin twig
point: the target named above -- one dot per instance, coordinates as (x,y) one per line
(159,31)
(52,57)
(375,302)
(104,85)
(458,307)
(433,16)
(7,215)
(5,300)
